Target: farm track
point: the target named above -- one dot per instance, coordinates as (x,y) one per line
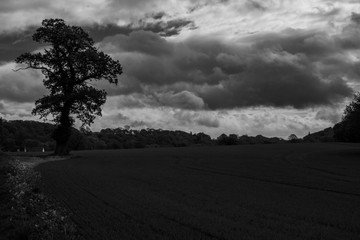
(298,191)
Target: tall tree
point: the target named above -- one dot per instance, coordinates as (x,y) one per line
(348,130)
(69,64)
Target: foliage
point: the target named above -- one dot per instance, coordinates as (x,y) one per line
(35,215)
(234,139)
(69,65)
(326,135)
(36,136)
(17,134)
(292,137)
(348,130)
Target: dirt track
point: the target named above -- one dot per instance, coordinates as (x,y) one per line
(297,191)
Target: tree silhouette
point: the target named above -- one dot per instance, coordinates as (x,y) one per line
(69,64)
(293,138)
(348,130)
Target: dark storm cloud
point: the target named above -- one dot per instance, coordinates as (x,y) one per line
(296,68)
(98,32)
(158,15)
(291,68)
(12,44)
(328,115)
(255,5)
(275,82)
(355,17)
(309,42)
(25,86)
(349,39)
(141,41)
(199,4)
(163,27)
(318,48)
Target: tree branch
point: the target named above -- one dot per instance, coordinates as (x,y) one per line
(34,67)
(16,70)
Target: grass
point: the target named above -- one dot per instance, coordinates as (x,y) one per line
(291,191)
(26,213)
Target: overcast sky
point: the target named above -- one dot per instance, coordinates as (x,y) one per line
(270,67)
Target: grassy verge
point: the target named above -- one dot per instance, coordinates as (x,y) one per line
(25,212)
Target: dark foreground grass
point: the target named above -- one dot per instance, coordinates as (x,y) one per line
(291,191)
(6,228)
(25,212)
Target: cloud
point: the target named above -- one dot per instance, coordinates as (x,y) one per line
(329,114)
(255,5)
(19,14)
(199,119)
(275,79)
(184,100)
(201,4)
(295,68)
(21,86)
(14,110)
(100,31)
(349,38)
(252,121)
(291,68)
(208,122)
(12,44)
(141,41)
(157,24)
(249,66)
(355,17)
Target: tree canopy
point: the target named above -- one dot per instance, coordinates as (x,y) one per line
(348,130)
(69,63)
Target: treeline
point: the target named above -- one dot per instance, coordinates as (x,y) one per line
(19,135)
(234,139)
(348,129)
(326,135)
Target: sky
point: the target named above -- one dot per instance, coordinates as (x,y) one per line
(270,67)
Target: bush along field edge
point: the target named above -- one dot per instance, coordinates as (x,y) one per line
(26,212)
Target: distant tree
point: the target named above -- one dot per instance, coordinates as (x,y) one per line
(348,130)
(202,138)
(293,138)
(69,64)
(223,139)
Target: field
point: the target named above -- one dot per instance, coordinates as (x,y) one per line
(290,191)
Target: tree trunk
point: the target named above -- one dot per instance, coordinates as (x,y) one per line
(61,149)
(62,133)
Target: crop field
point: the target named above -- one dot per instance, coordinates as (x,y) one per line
(284,191)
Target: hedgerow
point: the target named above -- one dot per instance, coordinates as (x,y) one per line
(35,215)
